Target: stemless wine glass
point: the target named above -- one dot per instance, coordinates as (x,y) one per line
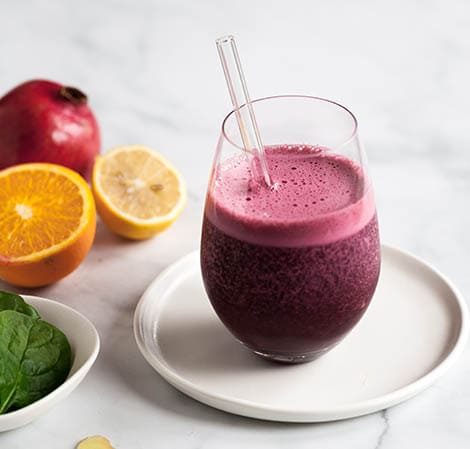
(290,269)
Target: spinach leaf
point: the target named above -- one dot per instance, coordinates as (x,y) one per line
(35,358)
(10,301)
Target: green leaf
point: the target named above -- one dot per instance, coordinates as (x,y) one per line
(10,301)
(35,358)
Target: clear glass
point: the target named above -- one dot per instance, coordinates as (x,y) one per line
(291,269)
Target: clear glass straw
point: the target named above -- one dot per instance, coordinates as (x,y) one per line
(239,95)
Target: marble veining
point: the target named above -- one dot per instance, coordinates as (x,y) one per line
(385,429)
(151,71)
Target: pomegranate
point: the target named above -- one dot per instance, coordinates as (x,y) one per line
(43,121)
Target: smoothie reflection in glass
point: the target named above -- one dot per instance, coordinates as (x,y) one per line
(292,268)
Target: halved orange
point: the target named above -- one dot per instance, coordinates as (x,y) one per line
(47,223)
(138,192)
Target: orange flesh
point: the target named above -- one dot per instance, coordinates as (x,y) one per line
(38,209)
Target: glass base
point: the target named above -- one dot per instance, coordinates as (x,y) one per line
(292,359)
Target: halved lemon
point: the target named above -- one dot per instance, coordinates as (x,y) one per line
(138,192)
(47,223)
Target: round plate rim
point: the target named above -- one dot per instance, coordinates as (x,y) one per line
(253,410)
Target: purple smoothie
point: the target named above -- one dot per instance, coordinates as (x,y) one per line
(290,271)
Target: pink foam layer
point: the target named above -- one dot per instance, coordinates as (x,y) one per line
(322,198)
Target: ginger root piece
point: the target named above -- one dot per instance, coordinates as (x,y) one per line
(95,442)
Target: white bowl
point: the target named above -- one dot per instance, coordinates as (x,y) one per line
(85,344)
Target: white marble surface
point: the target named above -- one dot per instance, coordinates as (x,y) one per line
(152,73)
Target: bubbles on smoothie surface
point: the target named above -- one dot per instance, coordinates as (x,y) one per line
(309,181)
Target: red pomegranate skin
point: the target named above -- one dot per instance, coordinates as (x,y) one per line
(43,121)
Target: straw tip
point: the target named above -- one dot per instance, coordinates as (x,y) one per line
(224,39)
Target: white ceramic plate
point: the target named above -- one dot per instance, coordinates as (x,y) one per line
(414,329)
(85,344)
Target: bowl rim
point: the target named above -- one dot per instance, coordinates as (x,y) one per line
(76,376)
